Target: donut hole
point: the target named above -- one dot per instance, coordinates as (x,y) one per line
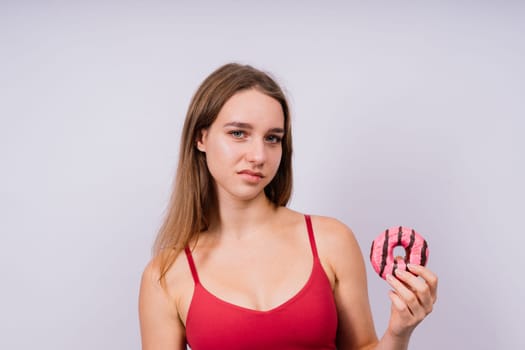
(400,251)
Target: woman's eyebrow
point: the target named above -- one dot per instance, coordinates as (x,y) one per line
(248,126)
(239,125)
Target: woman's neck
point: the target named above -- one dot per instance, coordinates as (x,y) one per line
(242,219)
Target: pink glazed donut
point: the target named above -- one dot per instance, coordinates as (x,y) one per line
(382,251)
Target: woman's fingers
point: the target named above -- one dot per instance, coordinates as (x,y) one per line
(418,293)
(413,297)
(400,306)
(420,288)
(404,288)
(430,278)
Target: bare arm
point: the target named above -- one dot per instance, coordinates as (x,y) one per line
(355,324)
(160,325)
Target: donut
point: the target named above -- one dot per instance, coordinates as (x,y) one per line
(382,250)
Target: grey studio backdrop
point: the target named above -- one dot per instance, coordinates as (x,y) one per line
(404,113)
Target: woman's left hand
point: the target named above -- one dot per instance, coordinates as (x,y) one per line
(413,296)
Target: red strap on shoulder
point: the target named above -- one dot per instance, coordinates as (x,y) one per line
(192,265)
(311,235)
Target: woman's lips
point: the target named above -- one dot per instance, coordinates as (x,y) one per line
(251,176)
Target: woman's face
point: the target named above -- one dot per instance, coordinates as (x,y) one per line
(243,145)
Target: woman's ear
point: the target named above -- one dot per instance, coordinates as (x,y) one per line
(201,140)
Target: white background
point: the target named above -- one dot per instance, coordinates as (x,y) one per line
(405,113)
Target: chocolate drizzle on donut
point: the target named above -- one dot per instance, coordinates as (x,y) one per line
(384,255)
(424,254)
(409,247)
(394,267)
(399,243)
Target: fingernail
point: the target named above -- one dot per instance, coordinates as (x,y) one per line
(411,266)
(389,278)
(400,272)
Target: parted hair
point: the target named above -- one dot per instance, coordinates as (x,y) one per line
(194,199)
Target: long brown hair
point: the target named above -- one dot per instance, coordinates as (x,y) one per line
(194,198)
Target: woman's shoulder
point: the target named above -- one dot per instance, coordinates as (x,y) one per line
(331,230)
(172,266)
(335,242)
(327,230)
(168,272)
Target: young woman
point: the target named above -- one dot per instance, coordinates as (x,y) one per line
(234,268)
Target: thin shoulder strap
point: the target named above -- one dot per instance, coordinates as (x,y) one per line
(192,265)
(311,235)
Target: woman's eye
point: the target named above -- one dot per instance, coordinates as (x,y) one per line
(273,139)
(237,133)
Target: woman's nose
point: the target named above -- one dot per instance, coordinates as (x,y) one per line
(256,152)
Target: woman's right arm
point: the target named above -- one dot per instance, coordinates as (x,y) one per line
(160,325)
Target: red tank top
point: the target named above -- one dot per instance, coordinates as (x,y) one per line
(308,320)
